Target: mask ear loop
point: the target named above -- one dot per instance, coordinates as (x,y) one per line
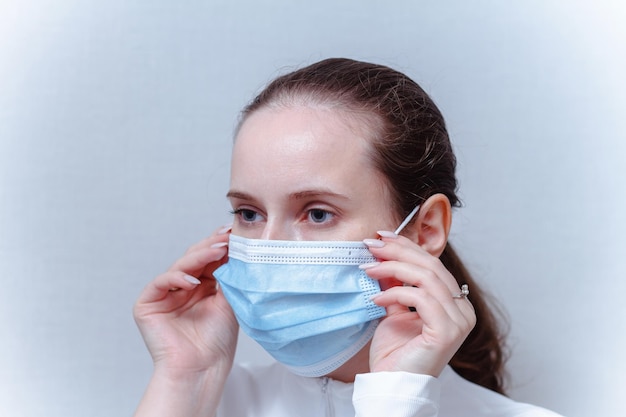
(407,220)
(402,226)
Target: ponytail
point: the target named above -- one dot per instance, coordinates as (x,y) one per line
(482,356)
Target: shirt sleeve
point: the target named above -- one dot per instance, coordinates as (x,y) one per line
(396,394)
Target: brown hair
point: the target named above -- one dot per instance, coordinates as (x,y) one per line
(412,149)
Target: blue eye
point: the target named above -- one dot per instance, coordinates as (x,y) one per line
(319,215)
(246,215)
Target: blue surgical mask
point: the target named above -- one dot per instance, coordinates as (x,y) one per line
(306,303)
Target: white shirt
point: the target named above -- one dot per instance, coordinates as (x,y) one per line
(273,391)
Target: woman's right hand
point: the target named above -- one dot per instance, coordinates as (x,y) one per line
(184,319)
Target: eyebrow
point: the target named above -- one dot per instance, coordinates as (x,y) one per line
(298,195)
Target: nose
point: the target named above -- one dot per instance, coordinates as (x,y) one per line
(275,230)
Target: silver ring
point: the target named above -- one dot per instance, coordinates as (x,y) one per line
(464,292)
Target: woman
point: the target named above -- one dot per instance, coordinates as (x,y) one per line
(367,317)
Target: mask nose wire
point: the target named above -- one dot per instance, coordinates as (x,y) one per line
(407,220)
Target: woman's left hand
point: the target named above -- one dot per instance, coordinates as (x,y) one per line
(421,341)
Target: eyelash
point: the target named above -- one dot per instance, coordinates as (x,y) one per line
(309,213)
(241,211)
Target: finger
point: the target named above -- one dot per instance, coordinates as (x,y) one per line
(219,235)
(433,315)
(426,307)
(163,285)
(195,261)
(402,249)
(416,276)
(408,274)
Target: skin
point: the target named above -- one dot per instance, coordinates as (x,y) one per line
(303,173)
(287,163)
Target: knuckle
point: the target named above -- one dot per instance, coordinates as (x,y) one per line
(429,276)
(456,333)
(433,263)
(472,321)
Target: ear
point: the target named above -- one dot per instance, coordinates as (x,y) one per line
(432,225)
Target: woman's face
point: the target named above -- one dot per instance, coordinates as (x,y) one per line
(305,174)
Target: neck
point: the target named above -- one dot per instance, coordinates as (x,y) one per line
(358,364)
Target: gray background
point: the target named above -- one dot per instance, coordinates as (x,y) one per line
(115,131)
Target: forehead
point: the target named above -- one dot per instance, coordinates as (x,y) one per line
(306,145)
(295,135)
(320,119)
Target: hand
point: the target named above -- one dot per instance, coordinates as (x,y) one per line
(184,319)
(421,341)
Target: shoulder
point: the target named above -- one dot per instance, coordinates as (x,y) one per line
(460,397)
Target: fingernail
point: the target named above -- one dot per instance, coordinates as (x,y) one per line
(191,279)
(219,245)
(225,229)
(369,265)
(375,296)
(386,233)
(374,243)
